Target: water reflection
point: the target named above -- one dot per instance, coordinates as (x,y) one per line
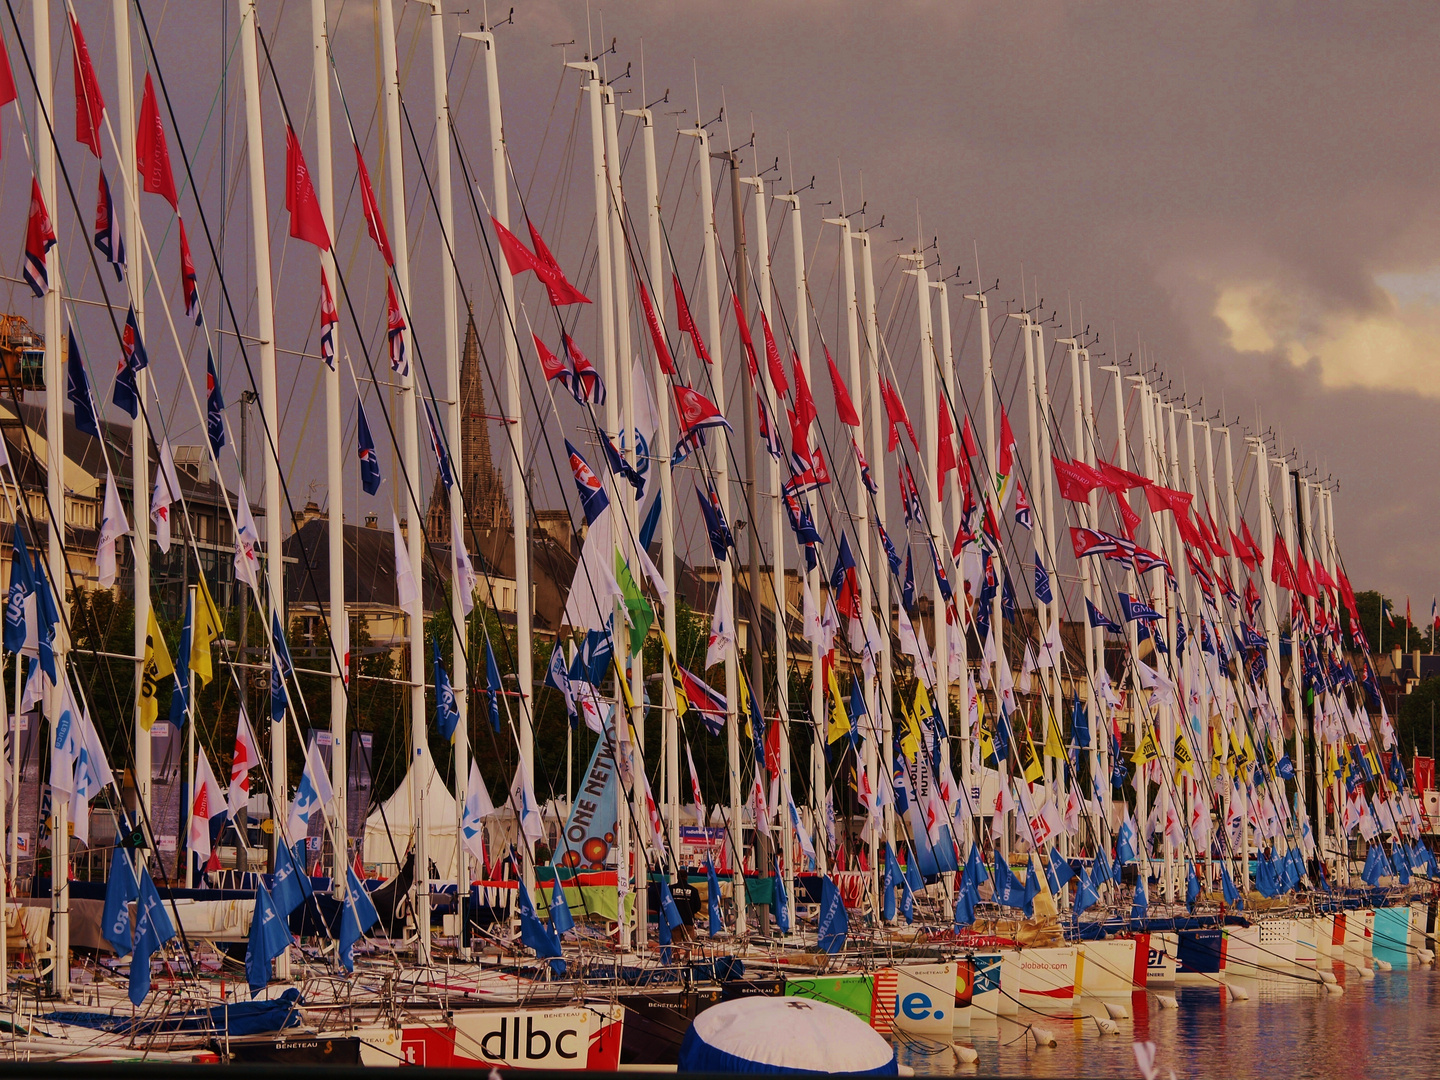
(1289,1028)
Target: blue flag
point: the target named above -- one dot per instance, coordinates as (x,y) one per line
(77,389)
(1136,610)
(721,539)
(1086,896)
(1125,841)
(844,562)
(120,890)
(22,584)
(1032,890)
(965,900)
(47,615)
(1061,872)
(133,360)
(1192,886)
(369,460)
(782,904)
(492,685)
(712,889)
(280,668)
(269,938)
(834,923)
(1079,725)
(1227,885)
(1140,907)
(214,406)
(887,885)
(534,933)
(1008,890)
(289,887)
(180,696)
(356,917)
(652,520)
(593,500)
(447,711)
(153,929)
(907,587)
(560,918)
(1100,619)
(1042,583)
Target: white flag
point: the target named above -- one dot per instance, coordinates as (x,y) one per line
(801,833)
(522,800)
(406,591)
(1050,649)
(695,787)
(112,526)
(810,616)
(167,490)
(314,792)
(593,589)
(722,630)
(246,757)
(1027,668)
(1161,688)
(465,581)
(209,801)
(477,808)
(247,537)
(340,640)
(91,774)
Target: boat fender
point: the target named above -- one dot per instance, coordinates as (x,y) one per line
(1384,965)
(1117,1011)
(1167,1001)
(1107,1027)
(1328,978)
(1367,974)
(1334,988)
(1042,1036)
(1237,993)
(1425,956)
(967,1055)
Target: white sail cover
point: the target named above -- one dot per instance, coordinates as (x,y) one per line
(398,813)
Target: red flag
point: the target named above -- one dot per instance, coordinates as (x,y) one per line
(799,439)
(1322,576)
(1305,577)
(518,257)
(1119,480)
(1076,479)
(1007,446)
(7,80)
(945,451)
(967,440)
(896,414)
(804,401)
(395,329)
(306,221)
(152,156)
(188,285)
(39,239)
(1255,552)
(844,407)
(1129,519)
(1282,571)
(1172,499)
(548,270)
(696,411)
(657,333)
(745,339)
(687,324)
(373,221)
(89,105)
(1217,546)
(772,358)
(1407,611)
(819,469)
(1347,594)
(551,364)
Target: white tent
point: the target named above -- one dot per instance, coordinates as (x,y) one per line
(390,830)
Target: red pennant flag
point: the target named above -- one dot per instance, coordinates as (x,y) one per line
(896,414)
(799,439)
(945,450)
(687,324)
(1255,552)
(804,401)
(967,440)
(696,411)
(1305,577)
(820,470)
(39,239)
(152,155)
(395,329)
(551,364)
(89,105)
(657,333)
(844,407)
(1347,594)
(306,221)
(772,359)
(1322,576)
(188,284)
(548,270)
(518,257)
(745,340)
(1129,519)
(1007,446)
(1282,570)
(1164,498)
(373,221)
(1119,480)
(1076,479)
(7,80)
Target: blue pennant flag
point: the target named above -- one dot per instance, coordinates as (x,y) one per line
(907,587)
(214,406)
(975,873)
(1373,867)
(1136,610)
(369,460)
(561,921)
(133,360)
(721,539)
(652,520)
(558,678)
(280,667)
(844,562)
(108,239)
(269,938)
(1086,896)
(1192,886)
(712,890)
(1079,725)
(120,890)
(887,885)
(1140,907)
(535,934)
(289,887)
(1008,607)
(180,696)
(593,499)
(782,904)
(1125,840)
(22,584)
(153,929)
(1061,872)
(834,923)
(77,389)
(1227,886)
(47,615)
(1008,890)
(493,689)
(447,710)
(356,917)
(965,901)
(1042,583)
(1098,618)
(891,555)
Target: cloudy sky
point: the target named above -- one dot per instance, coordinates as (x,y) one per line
(1244,192)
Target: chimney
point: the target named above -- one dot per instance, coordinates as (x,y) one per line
(1395,659)
(1417,663)
(371,521)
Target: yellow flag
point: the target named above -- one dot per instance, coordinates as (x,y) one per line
(1184,760)
(682,703)
(205,631)
(157,666)
(1147,750)
(910,741)
(1026,757)
(1217,752)
(1054,748)
(839,718)
(987,744)
(923,710)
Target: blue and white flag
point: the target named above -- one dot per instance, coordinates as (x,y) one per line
(120,890)
(22,585)
(77,389)
(133,360)
(1098,618)
(269,938)
(153,929)
(314,793)
(1136,610)
(369,462)
(357,916)
(214,406)
(447,711)
(108,240)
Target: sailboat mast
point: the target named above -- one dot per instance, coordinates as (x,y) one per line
(265,325)
(999,830)
(950,528)
(1081,451)
(335,479)
(1241,856)
(139,433)
(1045,526)
(410,460)
(454,421)
(55,482)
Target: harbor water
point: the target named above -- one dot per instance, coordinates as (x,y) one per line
(1287,1029)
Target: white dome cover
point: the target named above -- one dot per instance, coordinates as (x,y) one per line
(784,1034)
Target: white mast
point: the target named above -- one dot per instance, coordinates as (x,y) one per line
(334,435)
(1045,530)
(1084,450)
(951,530)
(1272,625)
(721,469)
(1241,856)
(777,556)
(410,462)
(454,423)
(882,719)
(139,434)
(812,577)
(55,478)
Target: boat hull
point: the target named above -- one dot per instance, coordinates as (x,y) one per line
(1106,968)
